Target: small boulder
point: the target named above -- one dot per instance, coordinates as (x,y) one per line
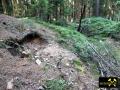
(38,62)
(25,53)
(10,85)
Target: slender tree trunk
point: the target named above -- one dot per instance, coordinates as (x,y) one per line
(82,16)
(61,10)
(4,5)
(1,8)
(56,11)
(75,10)
(15,7)
(97,7)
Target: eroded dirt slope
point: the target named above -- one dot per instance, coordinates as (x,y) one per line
(38,59)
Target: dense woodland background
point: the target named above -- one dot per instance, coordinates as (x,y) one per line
(61,10)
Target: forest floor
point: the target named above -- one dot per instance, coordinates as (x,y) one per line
(40,59)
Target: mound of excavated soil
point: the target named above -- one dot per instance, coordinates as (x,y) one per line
(10,23)
(9,26)
(40,59)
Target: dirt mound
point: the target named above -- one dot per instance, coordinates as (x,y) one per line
(10,26)
(10,23)
(40,59)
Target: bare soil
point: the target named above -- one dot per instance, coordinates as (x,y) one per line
(55,60)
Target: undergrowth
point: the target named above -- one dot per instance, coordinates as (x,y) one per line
(56,84)
(100,27)
(78,43)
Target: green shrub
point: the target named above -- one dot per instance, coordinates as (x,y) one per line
(78,65)
(96,26)
(115,31)
(56,84)
(61,22)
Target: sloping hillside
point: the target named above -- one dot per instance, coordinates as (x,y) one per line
(35,55)
(31,59)
(100,51)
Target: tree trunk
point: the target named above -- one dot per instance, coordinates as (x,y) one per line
(4,5)
(15,7)
(96,8)
(82,16)
(1,8)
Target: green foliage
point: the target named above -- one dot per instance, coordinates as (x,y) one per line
(101,27)
(77,62)
(94,69)
(114,31)
(78,65)
(56,84)
(38,8)
(94,26)
(42,6)
(60,22)
(51,11)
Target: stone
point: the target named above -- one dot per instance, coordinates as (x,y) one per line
(41,88)
(38,62)
(25,53)
(10,85)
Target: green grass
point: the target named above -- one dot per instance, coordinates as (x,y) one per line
(79,65)
(56,84)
